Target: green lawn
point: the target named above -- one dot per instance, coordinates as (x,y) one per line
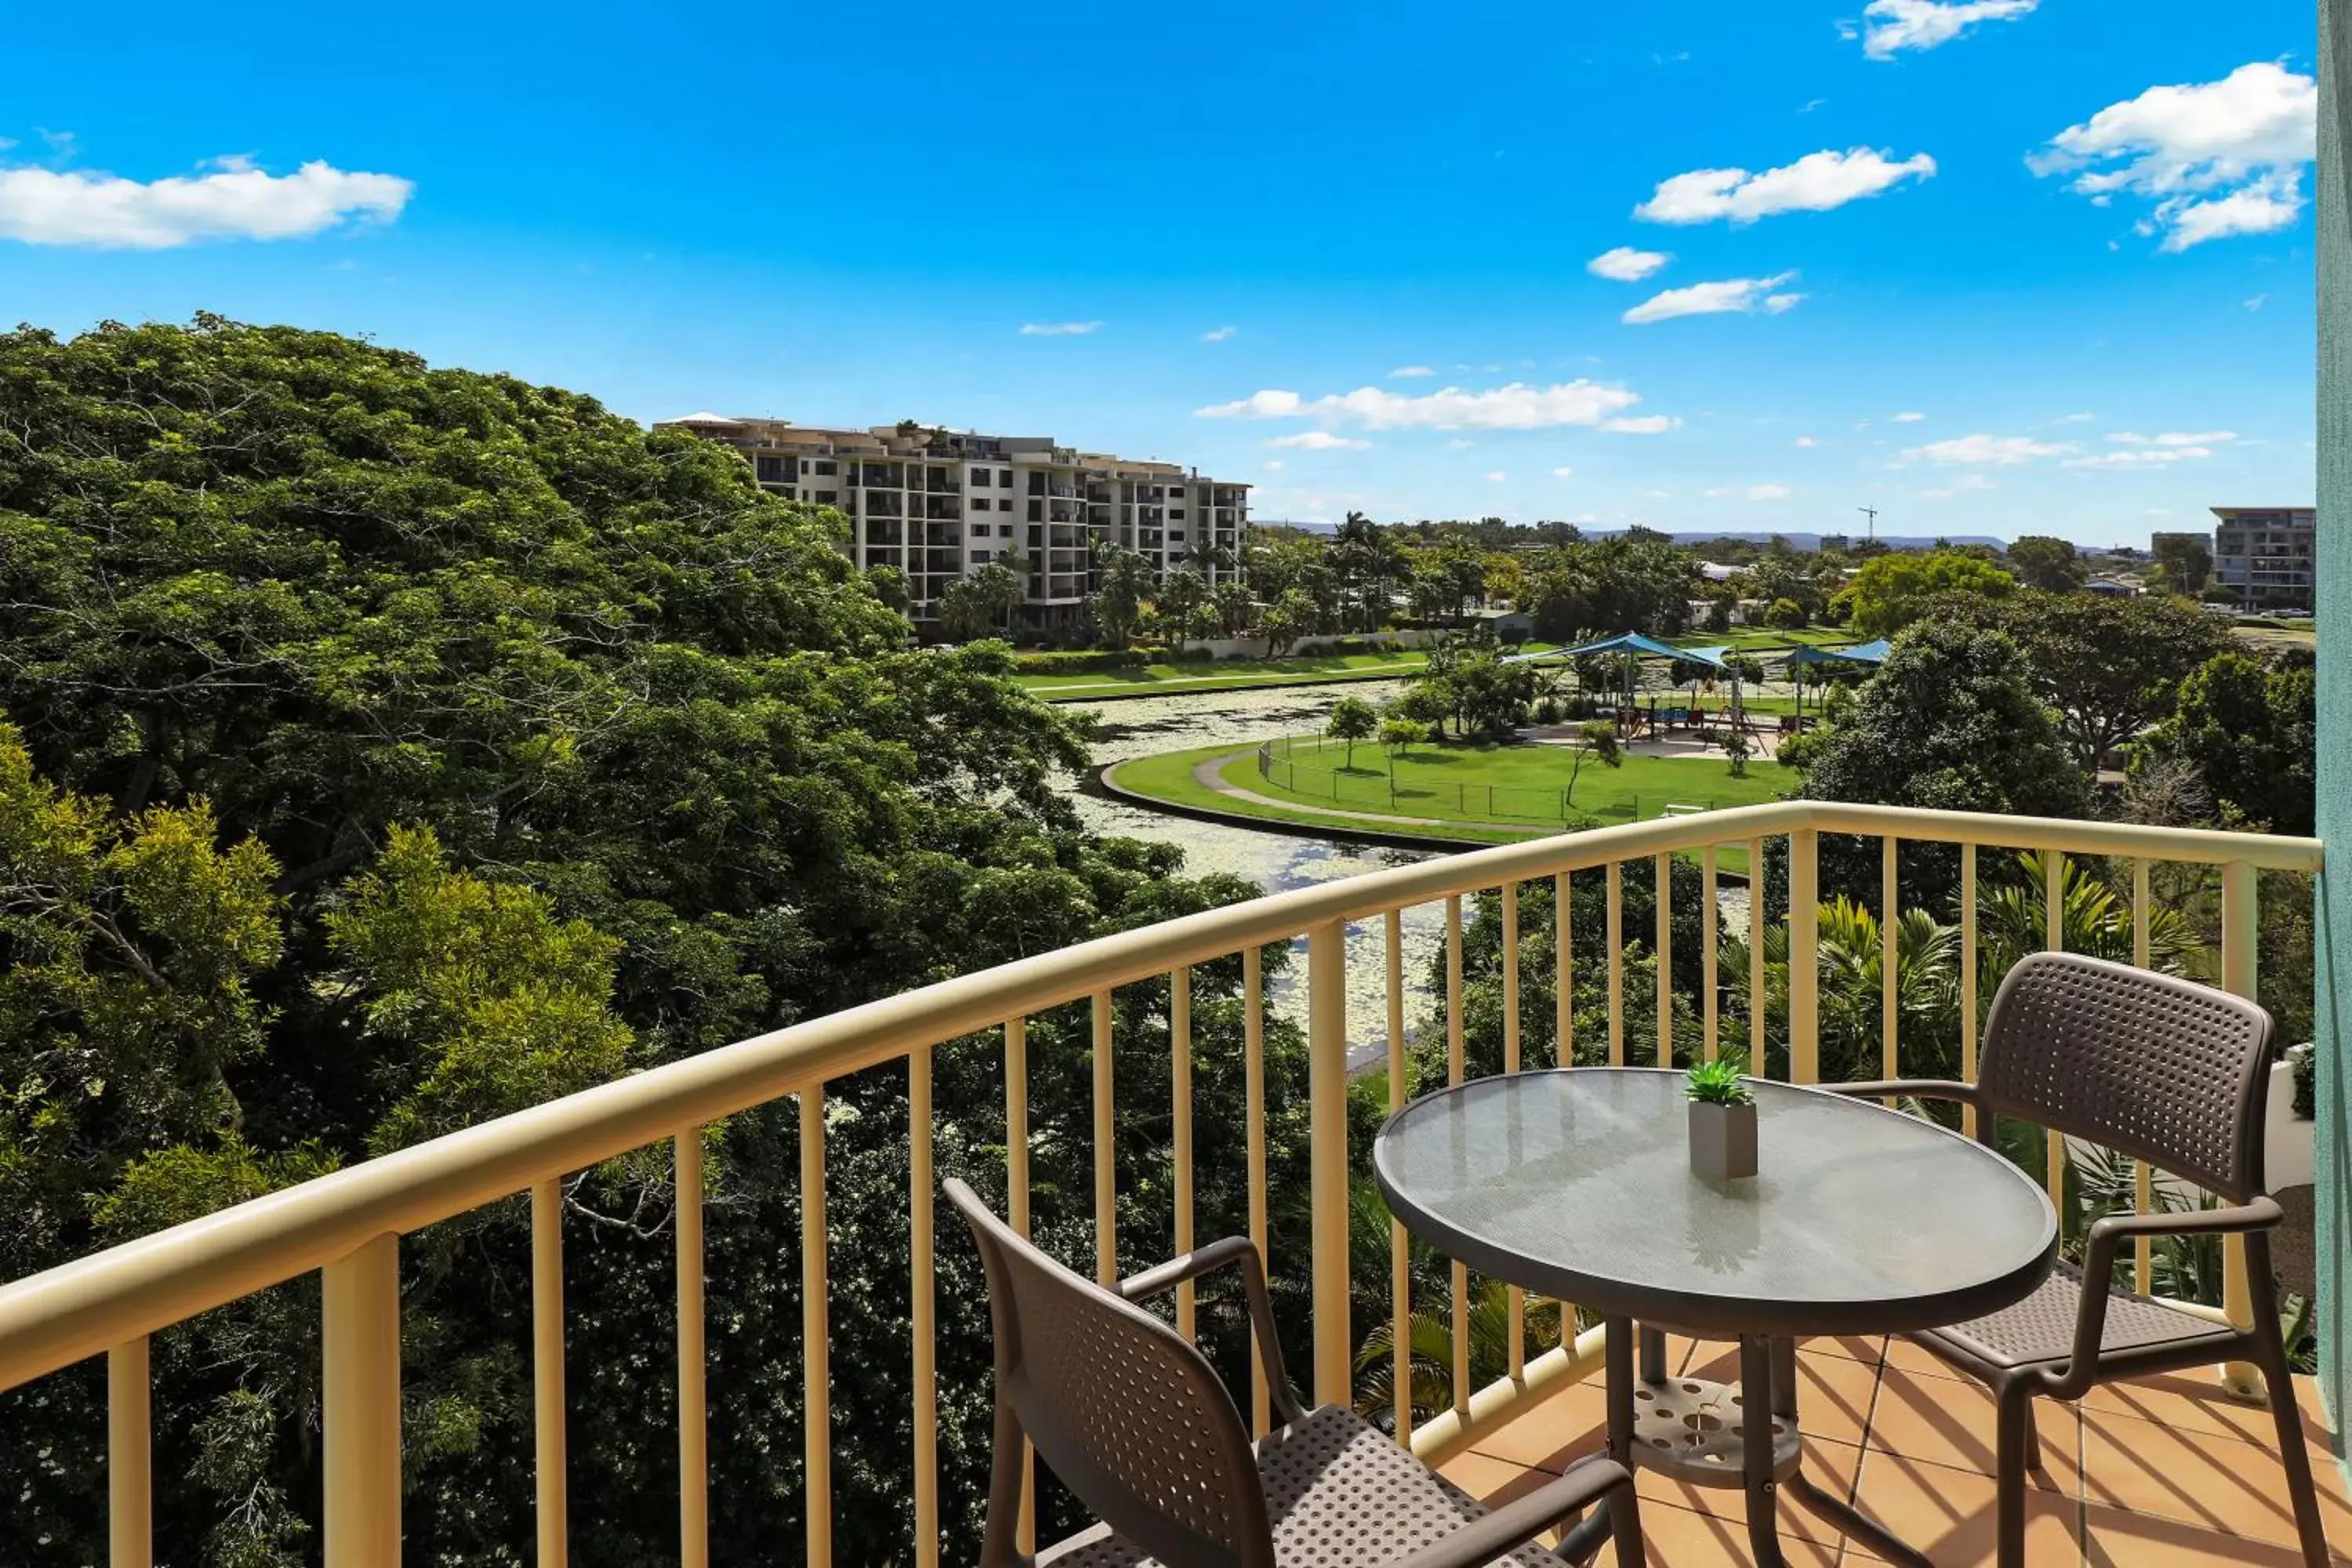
(1488,792)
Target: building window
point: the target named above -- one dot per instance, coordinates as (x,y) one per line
(826,467)
(1176,536)
(1036,538)
(828,498)
(1036,512)
(775,470)
(1005,479)
(980,504)
(979,531)
(1176,492)
(1036,484)
(1176,511)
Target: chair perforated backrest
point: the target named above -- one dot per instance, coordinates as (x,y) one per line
(1129,1416)
(2159,1068)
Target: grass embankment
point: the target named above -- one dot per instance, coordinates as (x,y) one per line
(1494,793)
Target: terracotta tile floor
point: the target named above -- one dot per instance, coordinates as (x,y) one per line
(2146,1474)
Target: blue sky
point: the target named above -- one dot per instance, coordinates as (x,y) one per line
(1259,217)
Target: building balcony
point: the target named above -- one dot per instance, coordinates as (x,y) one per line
(2162,1470)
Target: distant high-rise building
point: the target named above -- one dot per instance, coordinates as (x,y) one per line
(2266,554)
(936,503)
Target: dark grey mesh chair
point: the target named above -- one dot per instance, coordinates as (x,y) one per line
(1136,1423)
(2166,1071)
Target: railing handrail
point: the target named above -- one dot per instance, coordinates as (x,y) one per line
(76,1310)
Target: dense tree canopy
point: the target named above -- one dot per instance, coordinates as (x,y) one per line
(2109,666)
(2249,732)
(1891,591)
(395,746)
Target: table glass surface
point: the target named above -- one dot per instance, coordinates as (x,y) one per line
(1578,1184)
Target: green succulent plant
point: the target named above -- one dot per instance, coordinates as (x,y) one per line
(1722,1081)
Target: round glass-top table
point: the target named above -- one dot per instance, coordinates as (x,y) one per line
(1577,1184)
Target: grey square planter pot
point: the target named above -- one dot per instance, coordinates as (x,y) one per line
(1722,1140)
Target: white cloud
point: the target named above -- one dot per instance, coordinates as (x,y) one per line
(1564,473)
(1058,329)
(1768,492)
(1460,443)
(1805,443)
(1497,476)
(234,201)
(1985,451)
(1721,492)
(1627,265)
(1319,441)
(1732,296)
(2085,417)
(2149,458)
(1273,465)
(1406,372)
(2174,439)
(1644,425)
(2258,302)
(1517,406)
(1898,25)
(1814,183)
(1218,334)
(2219,157)
(1907,417)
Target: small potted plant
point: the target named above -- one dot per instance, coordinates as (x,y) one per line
(1722,1120)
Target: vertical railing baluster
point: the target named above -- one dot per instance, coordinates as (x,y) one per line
(2143,1180)
(816,1335)
(130,1457)
(1665,956)
(1968,979)
(2053,940)
(1759,917)
(1016,1215)
(359,1371)
(1253,1146)
(923,1311)
(693,1405)
(1400,1250)
(2241,936)
(550,1415)
(1804,956)
(1460,1295)
(1328,1172)
(1515,1309)
(1616,964)
(1180,1062)
(1890,923)
(1106,1155)
(1710,1006)
(1563,963)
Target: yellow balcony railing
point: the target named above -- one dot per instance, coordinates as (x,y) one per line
(347,1226)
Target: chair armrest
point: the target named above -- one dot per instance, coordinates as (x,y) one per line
(1515,1524)
(1239,1253)
(2106,1237)
(1914,1088)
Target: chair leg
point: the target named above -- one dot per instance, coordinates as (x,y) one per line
(2033,1438)
(2278,1378)
(2013,1435)
(1626,1524)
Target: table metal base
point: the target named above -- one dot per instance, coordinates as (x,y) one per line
(1711,1434)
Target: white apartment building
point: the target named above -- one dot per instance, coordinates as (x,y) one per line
(936,503)
(2266,552)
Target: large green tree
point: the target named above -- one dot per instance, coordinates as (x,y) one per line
(2249,730)
(1893,589)
(2109,667)
(397,746)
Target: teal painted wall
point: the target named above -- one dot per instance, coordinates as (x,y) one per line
(2332,1012)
